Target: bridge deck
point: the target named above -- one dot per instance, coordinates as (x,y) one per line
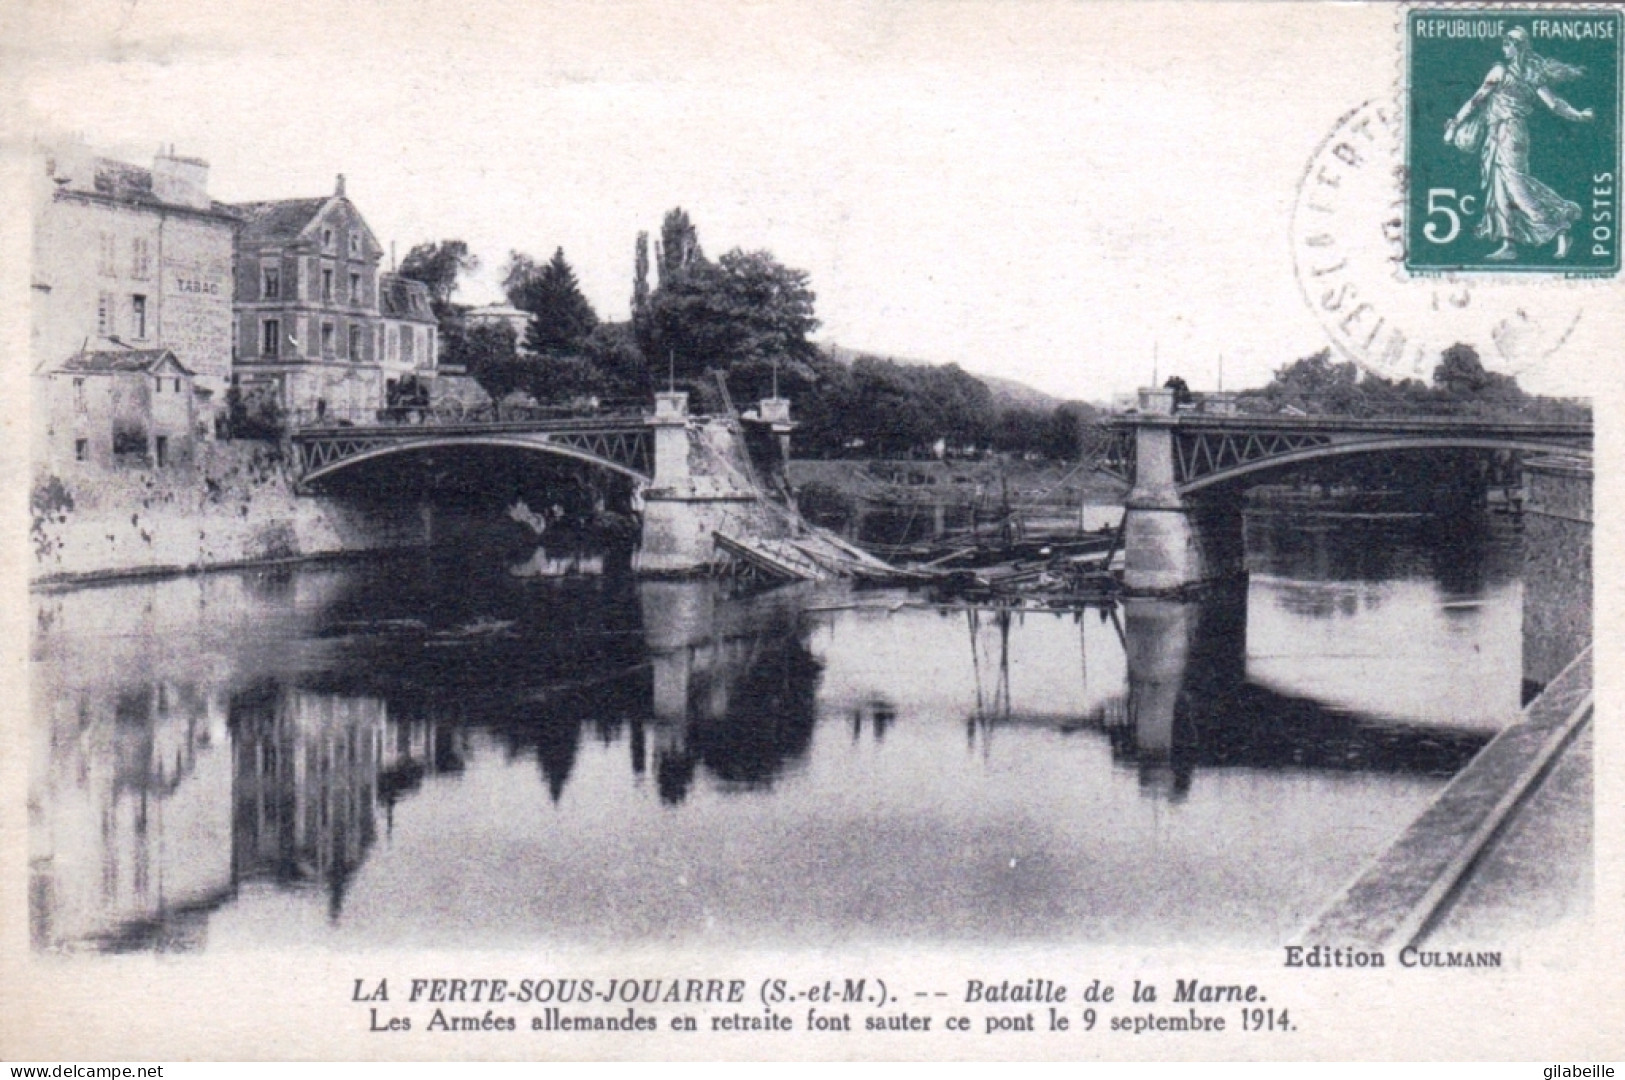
(1208,448)
(1383,425)
(441,428)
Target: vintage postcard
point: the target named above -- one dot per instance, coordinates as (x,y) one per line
(767,531)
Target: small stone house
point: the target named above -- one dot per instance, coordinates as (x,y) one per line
(123,408)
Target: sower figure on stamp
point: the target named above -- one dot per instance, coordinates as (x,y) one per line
(1518,209)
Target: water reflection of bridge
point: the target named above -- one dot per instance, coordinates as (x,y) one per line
(168,795)
(1189,705)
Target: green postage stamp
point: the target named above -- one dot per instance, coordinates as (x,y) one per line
(1513,140)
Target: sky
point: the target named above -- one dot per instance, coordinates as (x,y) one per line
(1076,195)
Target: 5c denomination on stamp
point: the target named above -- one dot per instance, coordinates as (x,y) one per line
(1513,140)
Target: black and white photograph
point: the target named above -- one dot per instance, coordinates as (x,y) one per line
(765,531)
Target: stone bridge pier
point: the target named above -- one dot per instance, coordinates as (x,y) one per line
(704,482)
(1170,540)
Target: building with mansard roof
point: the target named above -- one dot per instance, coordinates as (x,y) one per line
(408,337)
(309,328)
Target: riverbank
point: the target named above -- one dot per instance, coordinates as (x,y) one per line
(988,482)
(234,506)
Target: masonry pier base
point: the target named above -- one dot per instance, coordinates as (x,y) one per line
(703,485)
(1171,543)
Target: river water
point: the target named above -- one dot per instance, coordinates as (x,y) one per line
(444,750)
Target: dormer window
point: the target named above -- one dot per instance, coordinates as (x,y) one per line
(270,283)
(355,245)
(327,239)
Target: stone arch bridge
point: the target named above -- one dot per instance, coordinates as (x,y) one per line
(1183,465)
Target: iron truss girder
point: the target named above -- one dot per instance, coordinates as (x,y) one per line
(320,453)
(1117,457)
(629,448)
(624,447)
(1203,453)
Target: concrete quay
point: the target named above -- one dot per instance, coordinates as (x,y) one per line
(1505,845)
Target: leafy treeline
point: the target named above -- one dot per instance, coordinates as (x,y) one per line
(879,407)
(742,320)
(1461,386)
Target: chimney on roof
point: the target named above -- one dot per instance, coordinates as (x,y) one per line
(182,181)
(338,187)
(72,164)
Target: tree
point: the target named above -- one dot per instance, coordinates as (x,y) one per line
(1020,429)
(1068,433)
(564,379)
(561,317)
(678,247)
(959,406)
(640,277)
(1461,373)
(745,307)
(253,413)
(1461,386)
(1313,376)
(824,408)
(489,354)
(612,349)
(438,266)
(887,411)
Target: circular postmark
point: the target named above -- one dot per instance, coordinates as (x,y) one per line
(1348,250)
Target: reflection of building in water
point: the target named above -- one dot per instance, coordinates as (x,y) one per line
(130,816)
(412,750)
(306,780)
(735,687)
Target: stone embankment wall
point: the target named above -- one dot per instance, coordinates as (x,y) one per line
(1557,565)
(235,505)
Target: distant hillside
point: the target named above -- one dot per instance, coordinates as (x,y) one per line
(1010,394)
(1007,393)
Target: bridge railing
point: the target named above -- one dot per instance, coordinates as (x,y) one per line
(459,414)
